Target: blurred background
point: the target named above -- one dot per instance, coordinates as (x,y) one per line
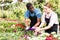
(14,9)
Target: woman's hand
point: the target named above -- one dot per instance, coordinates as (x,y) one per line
(37,29)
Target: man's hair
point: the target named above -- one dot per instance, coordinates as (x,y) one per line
(28,5)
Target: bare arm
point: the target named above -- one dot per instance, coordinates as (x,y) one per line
(38,22)
(26,22)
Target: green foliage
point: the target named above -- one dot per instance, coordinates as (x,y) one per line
(13,11)
(11,36)
(39,4)
(58,12)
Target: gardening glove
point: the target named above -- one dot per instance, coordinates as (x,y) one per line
(33,27)
(27,28)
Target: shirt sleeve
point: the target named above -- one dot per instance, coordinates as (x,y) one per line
(52,20)
(38,13)
(26,15)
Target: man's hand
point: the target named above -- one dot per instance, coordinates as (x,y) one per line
(27,28)
(34,27)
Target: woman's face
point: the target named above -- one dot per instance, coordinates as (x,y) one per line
(46,9)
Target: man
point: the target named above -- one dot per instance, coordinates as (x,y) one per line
(33,14)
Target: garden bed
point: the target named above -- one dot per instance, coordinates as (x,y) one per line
(15,31)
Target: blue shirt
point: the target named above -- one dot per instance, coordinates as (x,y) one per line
(37,13)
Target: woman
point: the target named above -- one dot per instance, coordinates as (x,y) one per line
(50,18)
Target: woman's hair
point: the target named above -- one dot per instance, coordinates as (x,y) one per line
(48,4)
(28,5)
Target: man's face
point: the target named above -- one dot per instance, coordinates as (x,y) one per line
(31,8)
